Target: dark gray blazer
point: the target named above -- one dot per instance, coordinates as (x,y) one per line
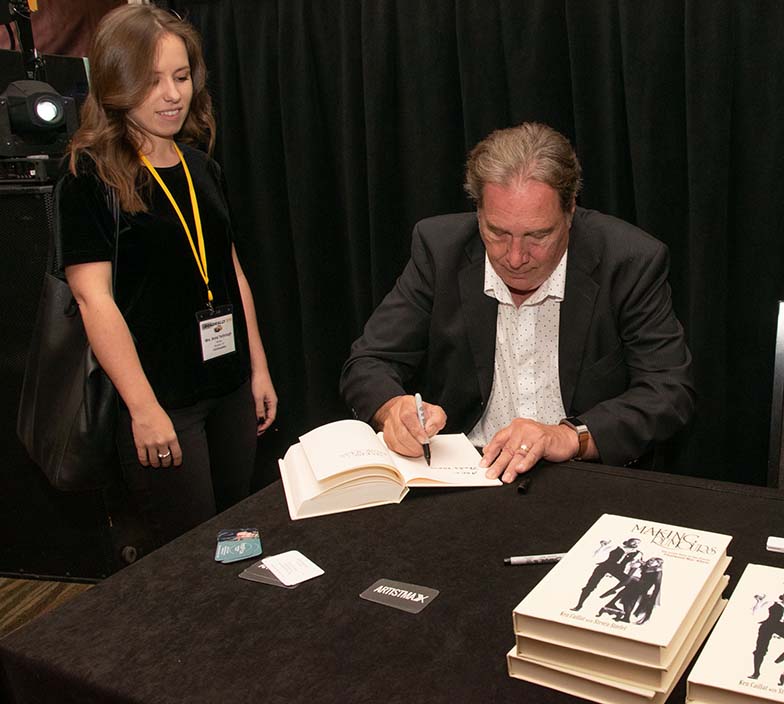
(624,366)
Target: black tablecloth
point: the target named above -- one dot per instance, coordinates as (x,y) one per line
(179,627)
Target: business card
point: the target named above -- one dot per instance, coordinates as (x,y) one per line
(259,572)
(292,567)
(400,595)
(236,544)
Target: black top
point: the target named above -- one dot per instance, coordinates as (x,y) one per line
(159,288)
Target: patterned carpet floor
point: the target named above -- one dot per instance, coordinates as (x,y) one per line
(22,600)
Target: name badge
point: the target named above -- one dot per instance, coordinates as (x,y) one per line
(216,331)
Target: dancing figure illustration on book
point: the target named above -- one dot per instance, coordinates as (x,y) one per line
(771,626)
(638,581)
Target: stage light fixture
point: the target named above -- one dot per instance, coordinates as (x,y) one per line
(49,111)
(35,119)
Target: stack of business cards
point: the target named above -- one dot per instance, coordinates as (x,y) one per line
(236,544)
(259,572)
(288,569)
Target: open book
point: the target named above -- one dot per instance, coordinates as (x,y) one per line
(345,465)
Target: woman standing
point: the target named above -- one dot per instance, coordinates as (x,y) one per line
(178,336)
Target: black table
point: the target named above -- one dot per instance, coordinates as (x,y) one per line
(179,627)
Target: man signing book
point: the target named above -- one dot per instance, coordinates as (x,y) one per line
(540,329)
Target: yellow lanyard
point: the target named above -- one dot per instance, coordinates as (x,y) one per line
(201,255)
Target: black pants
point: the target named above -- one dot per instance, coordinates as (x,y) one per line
(598,574)
(218,441)
(766,631)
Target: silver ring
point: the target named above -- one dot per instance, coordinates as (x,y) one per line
(164,455)
(524,447)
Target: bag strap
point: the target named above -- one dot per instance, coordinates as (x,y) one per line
(54,262)
(114,206)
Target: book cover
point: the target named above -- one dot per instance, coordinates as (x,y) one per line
(605,690)
(629,588)
(659,679)
(743,660)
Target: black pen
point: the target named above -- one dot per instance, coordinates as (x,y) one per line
(421,413)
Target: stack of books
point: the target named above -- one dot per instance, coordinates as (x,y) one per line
(620,617)
(743,660)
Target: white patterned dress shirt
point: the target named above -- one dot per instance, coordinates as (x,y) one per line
(525,378)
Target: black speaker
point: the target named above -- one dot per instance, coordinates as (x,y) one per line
(44,532)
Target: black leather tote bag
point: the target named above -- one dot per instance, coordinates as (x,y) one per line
(67,416)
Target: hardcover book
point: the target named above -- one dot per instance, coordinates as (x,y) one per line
(345,465)
(658,679)
(743,660)
(603,689)
(630,589)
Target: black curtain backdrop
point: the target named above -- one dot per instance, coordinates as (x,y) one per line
(341,123)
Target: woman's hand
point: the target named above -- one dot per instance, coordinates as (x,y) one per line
(265,398)
(155,439)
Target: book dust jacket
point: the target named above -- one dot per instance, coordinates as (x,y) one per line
(628,577)
(745,652)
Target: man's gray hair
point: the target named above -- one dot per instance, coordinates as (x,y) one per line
(529,151)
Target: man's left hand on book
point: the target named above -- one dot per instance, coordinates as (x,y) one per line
(403,433)
(520,445)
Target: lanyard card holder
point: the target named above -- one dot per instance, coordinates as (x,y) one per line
(216,331)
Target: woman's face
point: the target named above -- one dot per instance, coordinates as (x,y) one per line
(161,114)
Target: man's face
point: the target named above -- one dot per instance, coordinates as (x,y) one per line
(525,232)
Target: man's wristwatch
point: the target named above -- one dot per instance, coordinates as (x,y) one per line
(583,434)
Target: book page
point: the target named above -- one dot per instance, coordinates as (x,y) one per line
(342,446)
(361,488)
(454,462)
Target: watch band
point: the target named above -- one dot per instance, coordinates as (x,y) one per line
(583,434)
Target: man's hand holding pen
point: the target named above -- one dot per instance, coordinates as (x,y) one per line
(513,450)
(420,407)
(403,431)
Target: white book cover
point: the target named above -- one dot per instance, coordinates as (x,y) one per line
(618,669)
(743,660)
(602,689)
(630,588)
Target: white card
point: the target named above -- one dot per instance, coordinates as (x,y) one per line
(292,567)
(216,333)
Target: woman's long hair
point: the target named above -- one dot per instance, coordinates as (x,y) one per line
(122,64)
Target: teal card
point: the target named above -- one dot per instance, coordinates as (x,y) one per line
(236,544)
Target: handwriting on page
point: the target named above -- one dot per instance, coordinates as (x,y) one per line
(460,471)
(369,452)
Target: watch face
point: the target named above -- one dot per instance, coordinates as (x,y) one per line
(583,434)
(575,423)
